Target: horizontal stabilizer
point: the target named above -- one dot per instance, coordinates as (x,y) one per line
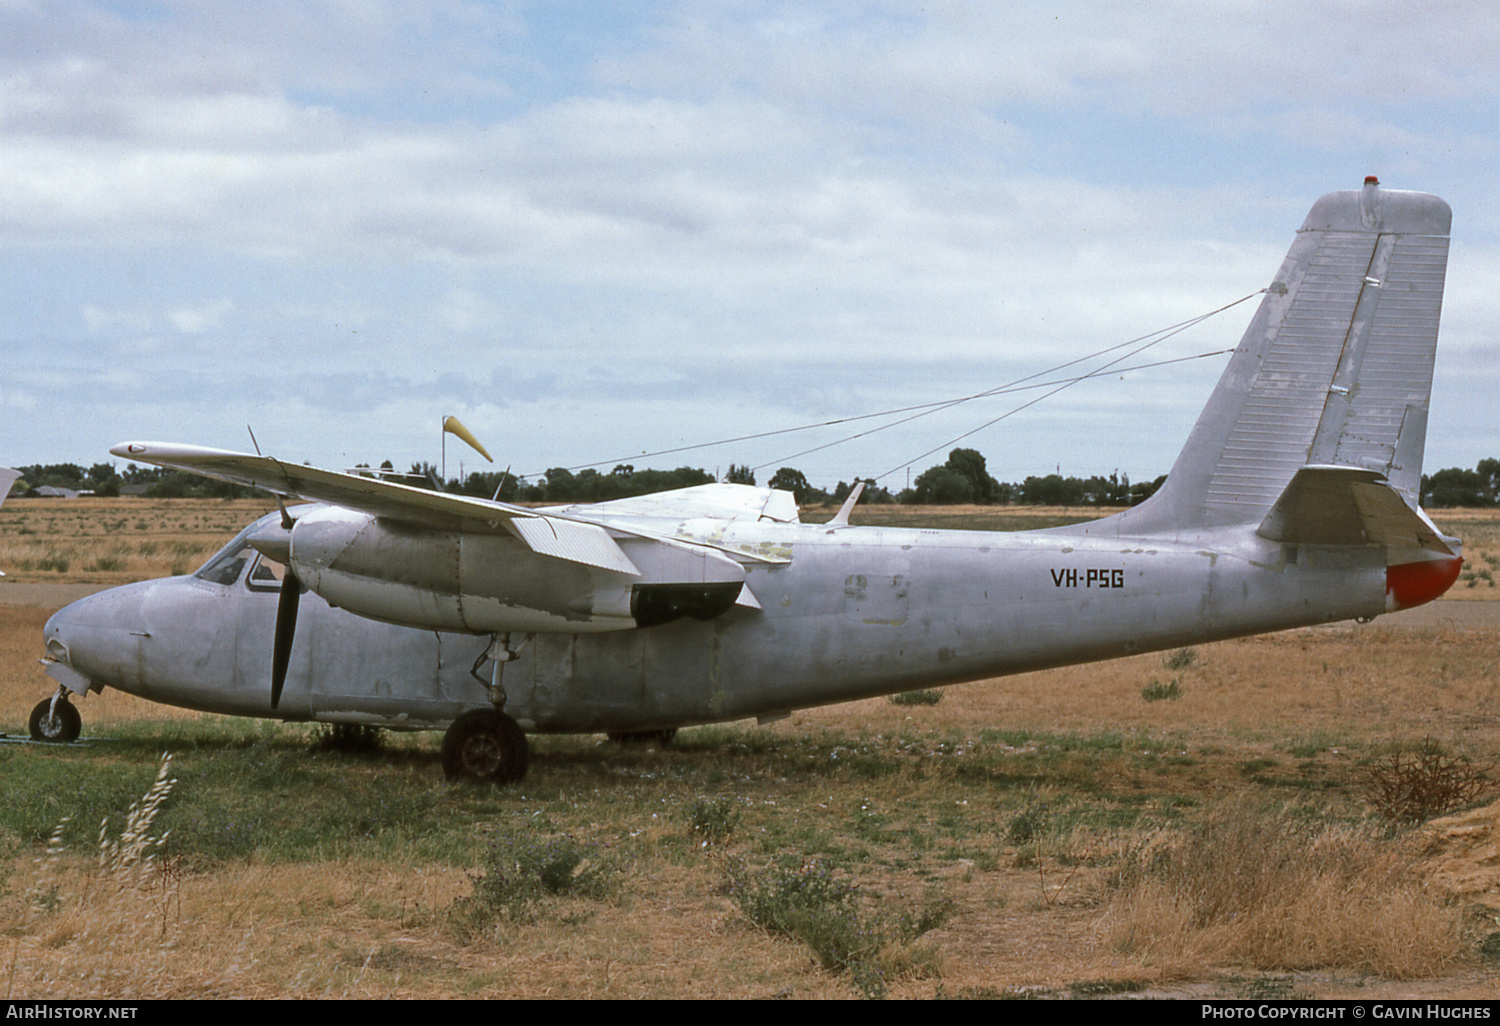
(1331,505)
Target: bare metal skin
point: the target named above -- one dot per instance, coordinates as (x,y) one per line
(1294,502)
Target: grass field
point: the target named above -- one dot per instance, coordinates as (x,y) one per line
(1061,833)
(113,541)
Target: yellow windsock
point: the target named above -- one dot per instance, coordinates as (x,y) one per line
(453,426)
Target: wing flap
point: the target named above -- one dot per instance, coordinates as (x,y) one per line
(573,541)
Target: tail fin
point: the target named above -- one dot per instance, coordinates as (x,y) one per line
(1335,370)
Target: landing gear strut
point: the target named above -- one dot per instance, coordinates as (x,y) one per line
(486,744)
(54,719)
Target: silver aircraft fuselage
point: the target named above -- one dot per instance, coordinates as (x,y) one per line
(1295,501)
(856,611)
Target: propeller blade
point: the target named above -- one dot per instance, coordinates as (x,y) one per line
(286,629)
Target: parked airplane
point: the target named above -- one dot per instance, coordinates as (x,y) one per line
(1294,502)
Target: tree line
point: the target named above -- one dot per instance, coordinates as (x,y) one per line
(962,479)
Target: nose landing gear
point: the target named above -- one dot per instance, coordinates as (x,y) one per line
(54,719)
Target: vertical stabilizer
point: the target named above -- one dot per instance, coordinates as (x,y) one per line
(1334,370)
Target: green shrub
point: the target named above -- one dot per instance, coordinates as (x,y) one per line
(712,820)
(522,872)
(820,906)
(1029,824)
(1156,691)
(923,696)
(1181,659)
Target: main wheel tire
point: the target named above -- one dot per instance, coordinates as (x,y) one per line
(60,726)
(486,744)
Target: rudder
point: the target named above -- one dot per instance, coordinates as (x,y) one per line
(1334,370)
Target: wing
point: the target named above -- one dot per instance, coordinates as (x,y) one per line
(366,494)
(570,532)
(547,533)
(710,501)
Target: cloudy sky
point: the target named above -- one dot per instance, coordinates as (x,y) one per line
(598,231)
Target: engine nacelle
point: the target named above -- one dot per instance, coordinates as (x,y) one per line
(493,582)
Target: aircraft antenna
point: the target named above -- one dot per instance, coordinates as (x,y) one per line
(286,518)
(922,409)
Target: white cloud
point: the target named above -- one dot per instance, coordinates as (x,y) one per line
(741,212)
(201,317)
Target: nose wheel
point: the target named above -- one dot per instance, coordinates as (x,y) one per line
(485,745)
(54,719)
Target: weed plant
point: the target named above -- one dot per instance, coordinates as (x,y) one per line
(100,924)
(131,855)
(1415,784)
(819,905)
(524,872)
(1030,823)
(1180,659)
(922,696)
(355,738)
(712,821)
(1156,691)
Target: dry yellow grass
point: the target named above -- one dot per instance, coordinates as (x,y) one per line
(362,930)
(1270,889)
(1302,706)
(112,541)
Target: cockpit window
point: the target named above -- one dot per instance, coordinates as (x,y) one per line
(226,567)
(266,574)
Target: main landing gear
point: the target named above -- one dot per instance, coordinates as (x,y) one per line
(54,719)
(486,744)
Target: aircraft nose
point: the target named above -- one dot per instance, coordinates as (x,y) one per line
(96,638)
(53,636)
(65,628)
(59,635)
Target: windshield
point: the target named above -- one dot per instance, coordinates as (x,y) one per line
(226,565)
